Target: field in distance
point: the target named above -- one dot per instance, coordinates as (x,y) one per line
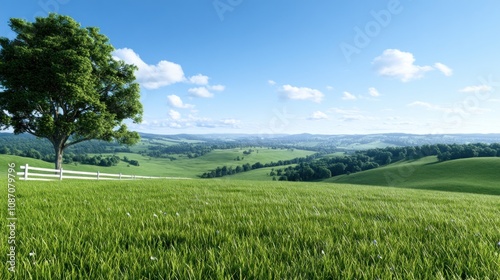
(218,229)
(473,175)
(181,167)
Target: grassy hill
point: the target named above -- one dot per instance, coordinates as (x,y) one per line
(218,229)
(473,175)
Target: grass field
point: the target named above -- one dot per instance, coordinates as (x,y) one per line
(219,229)
(473,175)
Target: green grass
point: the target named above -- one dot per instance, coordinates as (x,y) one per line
(473,175)
(219,229)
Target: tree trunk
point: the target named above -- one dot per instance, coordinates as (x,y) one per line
(58,148)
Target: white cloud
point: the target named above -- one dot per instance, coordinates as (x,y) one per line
(174,115)
(373,92)
(348,96)
(217,87)
(179,122)
(302,93)
(230,122)
(151,76)
(431,107)
(479,88)
(176,101)
(351,115)
(202,92)
(397,64)
(271,82)
(329,88)
(447,71)
(318,115)
(209,123)
(461,109)
(344,111)
(199,79)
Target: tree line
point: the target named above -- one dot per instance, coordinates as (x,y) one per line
(221,171)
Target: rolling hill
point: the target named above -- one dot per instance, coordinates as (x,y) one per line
(473,175)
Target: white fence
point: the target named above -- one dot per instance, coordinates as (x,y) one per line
(45,174)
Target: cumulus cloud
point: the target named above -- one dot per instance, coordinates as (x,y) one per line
(401,65)
(199,79)
(479,88)
(373,92)
(164,73)
(301,93)
(230,122)
(206,91)
(318,115)
(174,115)
(176,101)
(217,87)
(348,96)
(271,82)
(447,71)
(202,92)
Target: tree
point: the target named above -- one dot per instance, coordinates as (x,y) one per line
(60,82)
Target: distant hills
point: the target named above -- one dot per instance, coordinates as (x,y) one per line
(471,175)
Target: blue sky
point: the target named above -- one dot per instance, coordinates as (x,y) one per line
(329,67)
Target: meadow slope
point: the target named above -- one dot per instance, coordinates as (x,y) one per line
(472,175)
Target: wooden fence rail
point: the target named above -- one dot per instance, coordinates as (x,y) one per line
(46,174)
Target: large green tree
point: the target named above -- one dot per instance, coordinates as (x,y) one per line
(60,82)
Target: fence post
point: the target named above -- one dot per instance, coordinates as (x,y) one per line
(120,176)
(97,175)
(26,172)
(60,174)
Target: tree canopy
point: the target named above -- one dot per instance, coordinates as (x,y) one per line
(60,82)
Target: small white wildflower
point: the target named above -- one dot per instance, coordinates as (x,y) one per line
(322,252)
(154,215)
(128,214)
(379,257)
(177,213)
(375,242)
(153,258)
(498,244)
(32,254)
